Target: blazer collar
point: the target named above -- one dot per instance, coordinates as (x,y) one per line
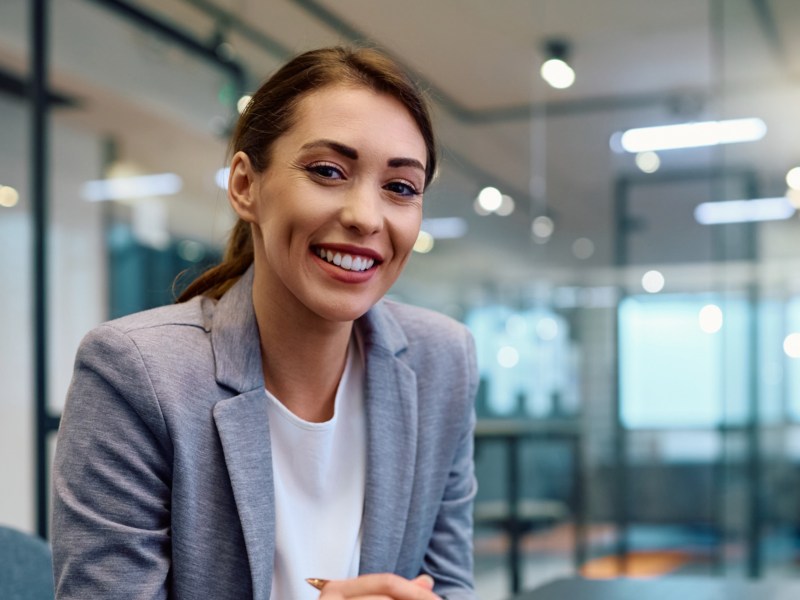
(234,338)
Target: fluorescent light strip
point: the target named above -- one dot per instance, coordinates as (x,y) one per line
(445,227)
(127,188)
(744,211)
(221,178)
(692,135)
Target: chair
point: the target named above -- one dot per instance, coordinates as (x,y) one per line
(26,571)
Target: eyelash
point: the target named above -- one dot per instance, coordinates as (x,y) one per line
(409,190)
(323,170)
(317,168)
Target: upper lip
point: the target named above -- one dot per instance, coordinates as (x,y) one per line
(352,250)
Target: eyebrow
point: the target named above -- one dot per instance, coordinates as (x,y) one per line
(405,162)
(352,154)
(346,151)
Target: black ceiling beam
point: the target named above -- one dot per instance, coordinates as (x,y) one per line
(225,19)
(173,33)
(13,85)
(769,27)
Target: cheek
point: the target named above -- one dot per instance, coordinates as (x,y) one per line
(406,234)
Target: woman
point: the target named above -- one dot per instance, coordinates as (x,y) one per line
(282,422)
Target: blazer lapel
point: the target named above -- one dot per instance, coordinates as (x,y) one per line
(391,411)
(244,432)
(243,427)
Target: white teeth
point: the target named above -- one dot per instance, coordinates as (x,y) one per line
(346,261)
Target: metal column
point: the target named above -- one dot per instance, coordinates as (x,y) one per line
(39,208)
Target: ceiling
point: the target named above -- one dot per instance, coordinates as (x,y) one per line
(638,63)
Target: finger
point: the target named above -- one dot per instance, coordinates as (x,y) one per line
(424,581)
(338,596)
(388,585)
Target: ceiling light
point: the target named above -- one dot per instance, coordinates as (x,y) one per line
(653,282)
(710,318)
(8,196)
(490,199)
(648,162)
(506,206)
(445,228)
(793,178)
(691,135)
(221,177)
(791,345)
(127,188)
(744,211)
(542,227)
(241,103)
(424,243)
(555,70)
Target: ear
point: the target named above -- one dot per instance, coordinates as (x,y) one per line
(242,188)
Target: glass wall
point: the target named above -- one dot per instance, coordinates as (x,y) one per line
(640,389)
(16,346)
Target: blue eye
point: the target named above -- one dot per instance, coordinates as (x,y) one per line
(325,171)
(400,188)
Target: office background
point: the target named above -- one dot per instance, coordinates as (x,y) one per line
(640,388)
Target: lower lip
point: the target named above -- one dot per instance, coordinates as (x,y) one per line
(344,275)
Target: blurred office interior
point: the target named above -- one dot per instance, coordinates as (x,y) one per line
(638,329)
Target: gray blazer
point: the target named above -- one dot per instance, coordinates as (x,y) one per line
(162,482)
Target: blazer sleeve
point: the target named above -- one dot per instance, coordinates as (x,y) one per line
(449,558)
(111,477)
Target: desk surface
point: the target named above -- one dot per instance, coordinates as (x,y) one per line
(674,588)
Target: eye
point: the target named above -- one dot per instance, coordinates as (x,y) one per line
(325,171)
(401,188)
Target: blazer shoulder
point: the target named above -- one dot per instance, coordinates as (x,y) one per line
(168,334)
(194,313)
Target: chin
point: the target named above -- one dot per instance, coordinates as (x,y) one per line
(343,311)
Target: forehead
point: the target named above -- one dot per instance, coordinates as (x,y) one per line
(361,118)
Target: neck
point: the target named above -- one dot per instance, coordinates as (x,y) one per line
(303,356)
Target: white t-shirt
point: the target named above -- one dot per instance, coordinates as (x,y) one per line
(319,470)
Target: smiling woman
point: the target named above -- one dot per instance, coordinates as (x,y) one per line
(283,422)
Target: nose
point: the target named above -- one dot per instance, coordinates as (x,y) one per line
(362,211)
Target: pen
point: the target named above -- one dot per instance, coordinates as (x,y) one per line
(317,583)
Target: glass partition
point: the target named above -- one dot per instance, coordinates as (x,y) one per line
(637,328)
(17,505)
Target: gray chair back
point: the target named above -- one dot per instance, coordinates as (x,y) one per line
(26,567)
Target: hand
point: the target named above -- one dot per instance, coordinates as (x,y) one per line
(383,586)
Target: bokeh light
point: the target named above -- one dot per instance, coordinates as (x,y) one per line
(653,282)
(710,318)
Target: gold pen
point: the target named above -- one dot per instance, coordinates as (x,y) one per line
(317,583)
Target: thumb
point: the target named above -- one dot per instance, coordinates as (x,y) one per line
(424,581)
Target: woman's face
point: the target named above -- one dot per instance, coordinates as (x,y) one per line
(339,206)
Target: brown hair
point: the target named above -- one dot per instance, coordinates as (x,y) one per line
(271,113)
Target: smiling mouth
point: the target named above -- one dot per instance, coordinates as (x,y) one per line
(348,262)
